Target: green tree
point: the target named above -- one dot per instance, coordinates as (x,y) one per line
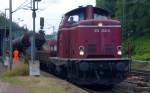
(17,31)
(109,5)
(133,14)
(135,19)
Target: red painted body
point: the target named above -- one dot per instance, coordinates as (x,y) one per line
(88,49)
(100,37)
(52,47)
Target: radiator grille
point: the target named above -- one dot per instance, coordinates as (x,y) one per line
(109,48)
(91,48)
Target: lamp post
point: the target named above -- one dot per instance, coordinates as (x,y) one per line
(124,15)
(4,39)
(10,31)
(33,34)
(34,64)
(33,51)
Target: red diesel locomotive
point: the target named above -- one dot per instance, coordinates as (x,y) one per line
(88,48)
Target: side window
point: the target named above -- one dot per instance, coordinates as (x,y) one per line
(81,16)
(62,19)
(73,19)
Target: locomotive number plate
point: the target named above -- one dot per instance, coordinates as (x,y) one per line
(105,30)
(102,30)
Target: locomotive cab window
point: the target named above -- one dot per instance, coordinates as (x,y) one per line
(75,16)
(73,19)
(81,16)
(101,15)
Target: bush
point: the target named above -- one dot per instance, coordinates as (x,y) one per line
(141,48)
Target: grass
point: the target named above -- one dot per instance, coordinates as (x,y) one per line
(141,46)
(17,70)
(140,66)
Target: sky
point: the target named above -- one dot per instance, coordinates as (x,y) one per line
(51,10)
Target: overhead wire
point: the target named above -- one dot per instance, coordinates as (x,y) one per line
(21,6)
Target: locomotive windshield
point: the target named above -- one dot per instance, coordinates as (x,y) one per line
(100,14)
(74,18)
(100,17)
(84,13)
(76,15)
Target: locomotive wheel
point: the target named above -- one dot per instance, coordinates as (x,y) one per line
(51,68)
(57,70)
(60,71)
(69,72)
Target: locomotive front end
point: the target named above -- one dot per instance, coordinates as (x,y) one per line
(100,39)
(90,46)
(97,46)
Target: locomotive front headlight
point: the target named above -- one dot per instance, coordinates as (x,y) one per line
(81,50)
(100,24)
(119,52)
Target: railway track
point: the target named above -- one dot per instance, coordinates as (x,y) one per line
(120,88)
(143,75)
(140,78)
(123,88)
(126,87)
(140,81)
(94,89)
(141,72)
(114,90)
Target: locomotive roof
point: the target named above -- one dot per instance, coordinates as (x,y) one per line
(81,9)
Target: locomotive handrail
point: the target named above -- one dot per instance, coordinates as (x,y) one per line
(94,59)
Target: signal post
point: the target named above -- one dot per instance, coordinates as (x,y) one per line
(34,64)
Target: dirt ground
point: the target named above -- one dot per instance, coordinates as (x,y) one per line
(45,83)
(8,88)
(37,85)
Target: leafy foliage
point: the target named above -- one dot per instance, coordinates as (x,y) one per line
(135,18)
(17,30)
(109,5)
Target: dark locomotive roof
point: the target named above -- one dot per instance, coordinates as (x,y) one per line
(77,10)
(82,9)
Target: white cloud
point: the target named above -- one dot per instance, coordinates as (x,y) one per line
(51,10)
